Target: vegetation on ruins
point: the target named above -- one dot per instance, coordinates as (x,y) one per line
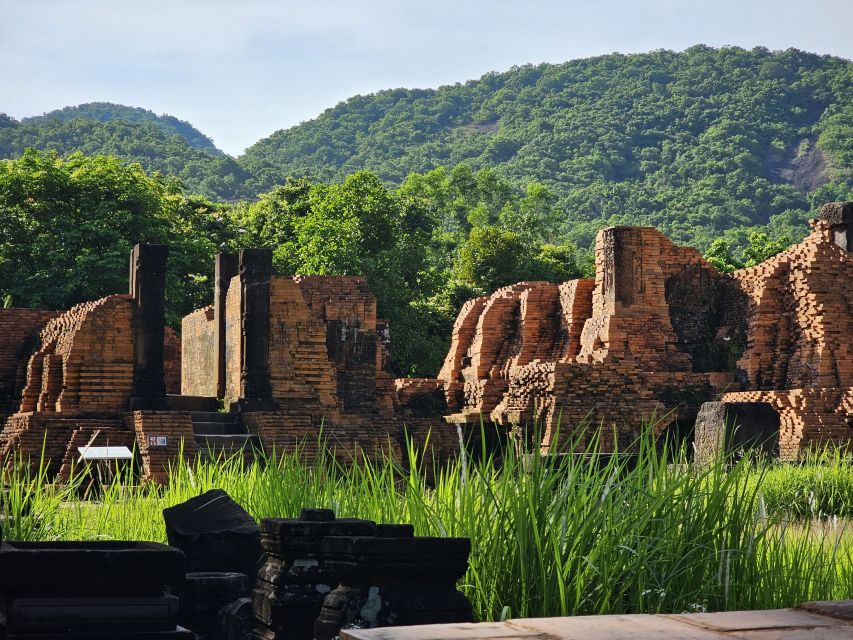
(550,536)
(439,195)
(424,248)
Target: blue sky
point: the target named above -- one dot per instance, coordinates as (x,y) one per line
(241,69)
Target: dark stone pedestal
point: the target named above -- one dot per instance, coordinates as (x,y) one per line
(215,533)
(293,582)
(235,621)
(393,582)
(204,594)
(255,266)
(839,215)
(90,590)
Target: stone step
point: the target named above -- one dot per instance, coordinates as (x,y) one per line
(214,416)
(227,443)
(218,428)
(192,403)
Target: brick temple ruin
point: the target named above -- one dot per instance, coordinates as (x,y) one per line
(276,363)
(277,360)
(658,332)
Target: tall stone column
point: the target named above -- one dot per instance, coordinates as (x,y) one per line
(226,269)
(148,288)
(255,275)
(840,218)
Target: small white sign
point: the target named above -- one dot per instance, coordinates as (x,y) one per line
(158,441)
(104,453)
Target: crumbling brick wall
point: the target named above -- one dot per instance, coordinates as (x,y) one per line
(300,371)
(661,332)
(100,434)
(19,329)
(198,370)
(84,364)
(639,272)
(328,371)
(800,311)
(36,437)
(325,351)
(348,309)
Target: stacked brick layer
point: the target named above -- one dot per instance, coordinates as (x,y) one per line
(19,330)
(85,360)
(328,372)
(198,369)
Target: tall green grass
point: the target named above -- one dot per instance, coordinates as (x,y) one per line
(558,536)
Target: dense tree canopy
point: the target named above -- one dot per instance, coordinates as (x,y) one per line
(107,112)
(67,227)
(213,175)
(698,143)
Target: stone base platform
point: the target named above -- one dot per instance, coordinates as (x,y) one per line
(809,621)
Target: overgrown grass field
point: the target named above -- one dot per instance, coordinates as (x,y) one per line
(559,536)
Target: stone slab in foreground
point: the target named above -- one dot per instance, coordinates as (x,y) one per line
(810,621)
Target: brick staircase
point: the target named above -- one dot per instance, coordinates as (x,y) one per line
(220,435)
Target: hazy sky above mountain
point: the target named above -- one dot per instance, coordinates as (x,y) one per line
(241,69)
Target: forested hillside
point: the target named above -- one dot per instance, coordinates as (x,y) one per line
(695,143)
(107,111)
(703,144)
(212,174)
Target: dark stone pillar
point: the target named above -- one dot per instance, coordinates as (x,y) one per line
(226,268)
(731,428)
(148,288)
(840,218)
(255,274)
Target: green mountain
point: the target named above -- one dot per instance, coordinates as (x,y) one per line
(701,143)
(209,173)
(695,143)
(107,111)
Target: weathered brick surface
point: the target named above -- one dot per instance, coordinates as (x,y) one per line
(176,426)
(84,364)
(303,433)
(172,365)
(660,332)
(19,330)
(328,366)
(800,307)
(77,380)
(28,435)
(233,343)
(198,373)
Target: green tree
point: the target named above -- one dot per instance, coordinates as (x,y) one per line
(491,258)
(761,247)
(67,227)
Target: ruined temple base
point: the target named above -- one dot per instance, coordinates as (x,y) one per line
(353,440)
(824,620)
(809,419)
